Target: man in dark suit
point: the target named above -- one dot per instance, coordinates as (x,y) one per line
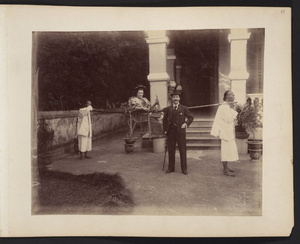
(175,124)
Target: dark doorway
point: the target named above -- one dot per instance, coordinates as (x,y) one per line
(197,51)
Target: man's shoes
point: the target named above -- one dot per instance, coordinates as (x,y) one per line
(169,171)
(185,172)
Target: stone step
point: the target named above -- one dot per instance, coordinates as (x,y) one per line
(204,140)
(197,134)
(201,119)
(205,124)
(203,146)
(198,131)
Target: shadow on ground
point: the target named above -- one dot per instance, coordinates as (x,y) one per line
(97,193)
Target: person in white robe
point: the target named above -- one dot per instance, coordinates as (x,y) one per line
(84,130)
(224,128)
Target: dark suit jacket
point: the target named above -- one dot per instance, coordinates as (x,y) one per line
(182,114)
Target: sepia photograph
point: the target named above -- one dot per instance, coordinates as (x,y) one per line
(146,122)
(165,122)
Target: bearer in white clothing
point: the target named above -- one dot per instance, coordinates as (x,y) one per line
(84,130)
(224,128)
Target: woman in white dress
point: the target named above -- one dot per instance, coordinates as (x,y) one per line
(224,128)
(84,130)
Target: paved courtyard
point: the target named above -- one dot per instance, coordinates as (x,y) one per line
(204,191)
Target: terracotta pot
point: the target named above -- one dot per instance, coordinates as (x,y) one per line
(239,128)
(130,140)
(241,135)
(129,148)
(45,161)
(255,149)
(257,144)
(255,154)
(240,132)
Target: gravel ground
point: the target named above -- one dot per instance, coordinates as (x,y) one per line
(205,191)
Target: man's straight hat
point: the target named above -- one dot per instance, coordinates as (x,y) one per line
(175,93)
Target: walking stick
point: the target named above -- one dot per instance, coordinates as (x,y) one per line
(166,146)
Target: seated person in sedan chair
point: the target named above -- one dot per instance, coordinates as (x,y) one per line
(141,106)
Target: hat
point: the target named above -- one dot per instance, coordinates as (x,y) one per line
(140,86)
(175,93)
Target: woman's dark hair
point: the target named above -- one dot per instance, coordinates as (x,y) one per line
(140,89)
(225,95)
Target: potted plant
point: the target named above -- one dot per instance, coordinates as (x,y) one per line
(240,130)
(45,136)
(251,119)
(129,138)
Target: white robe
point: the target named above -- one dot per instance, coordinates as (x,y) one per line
(224,128)
(84,129)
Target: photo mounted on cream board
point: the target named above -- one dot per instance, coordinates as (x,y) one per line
(154,123)
(84,166)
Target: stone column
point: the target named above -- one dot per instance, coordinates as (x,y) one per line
(238,63)
(158,76)
(178,82)
(170,70)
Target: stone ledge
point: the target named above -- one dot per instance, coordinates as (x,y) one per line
(74,113)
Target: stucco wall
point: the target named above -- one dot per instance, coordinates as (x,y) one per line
(64,125)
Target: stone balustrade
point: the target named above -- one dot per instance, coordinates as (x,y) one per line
(64,123)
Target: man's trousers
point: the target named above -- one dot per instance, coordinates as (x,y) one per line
(179,138)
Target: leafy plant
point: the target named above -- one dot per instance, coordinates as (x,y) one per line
(239,109)
(239,124)
(250,118)
(45,136)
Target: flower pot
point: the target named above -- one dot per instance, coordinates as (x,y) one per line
(255,149)
(45,161)
(255,154)
(129,148)
(257,144)
(130,140)
(240,132)
(241,135)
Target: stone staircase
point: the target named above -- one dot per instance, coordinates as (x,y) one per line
(198,136)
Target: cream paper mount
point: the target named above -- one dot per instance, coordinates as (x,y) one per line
(17,26)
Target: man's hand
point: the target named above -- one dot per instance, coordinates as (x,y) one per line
(184,125)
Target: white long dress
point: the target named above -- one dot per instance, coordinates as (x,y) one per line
(84,129)
(223,127)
